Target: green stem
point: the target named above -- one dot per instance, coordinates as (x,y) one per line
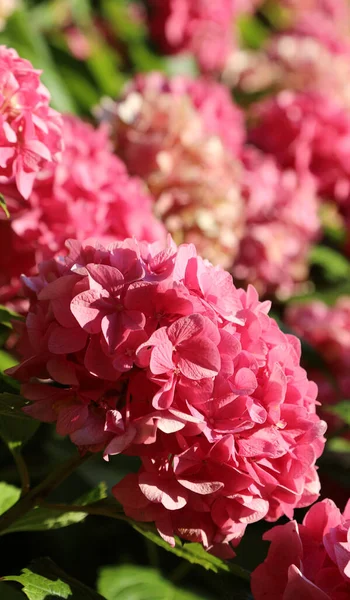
(98,509)
(41,491)
(23,472)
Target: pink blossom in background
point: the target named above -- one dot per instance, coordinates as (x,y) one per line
(30,131)
(158,355)
(309,132)
(88,194)
(327,329)
(309,561)
(326,14)
(206,29)
(182,137)
(281,224)
(304,61)
(212,102)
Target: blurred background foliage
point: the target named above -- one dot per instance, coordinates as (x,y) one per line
(88,50)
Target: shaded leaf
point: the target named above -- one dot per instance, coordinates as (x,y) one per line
(44,580)
(16,428)
(9,494)
(6,315)
(333,264)
(42,518)
(131,582)
(342,410)
(339,444)
(194,553)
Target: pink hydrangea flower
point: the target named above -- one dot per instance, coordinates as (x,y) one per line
(326,328)
(180,135)
(281,223)
(310,132)
(89,194)
(203,28)
(211,101)
(310,561)
(158,355)
(303,61)
(30,131)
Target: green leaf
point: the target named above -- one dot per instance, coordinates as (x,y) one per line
(3,205)
(44,580)
(6,360)
(6,315)
(131,582)
(339,444)
(342,410)
(16,428)
(334,265)
(252,32)
(42,518)
(194,553)
(9,494)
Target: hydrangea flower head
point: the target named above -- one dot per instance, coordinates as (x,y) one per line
(310,561)
(30,131)
(206,29)
(158,355)
(308,131)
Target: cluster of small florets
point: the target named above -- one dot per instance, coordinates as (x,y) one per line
(309,132)
(327,329)
(281,212)
(88,194)
(183,137)
(308,561)
(157,354)
(206,29)
(30,131)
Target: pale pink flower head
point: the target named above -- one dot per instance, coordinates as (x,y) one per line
(310,561)
(281,224)
(301,60)
(206,29)
(310,132)
(219,115)
(88,194)
(327,329)
(172,133)
(158,355)
(30,131)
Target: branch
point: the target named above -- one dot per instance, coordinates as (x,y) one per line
(41,491)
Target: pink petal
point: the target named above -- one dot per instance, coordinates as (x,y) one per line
(162,358)
(243,383)
(64,340)
(71,417)
(86,311)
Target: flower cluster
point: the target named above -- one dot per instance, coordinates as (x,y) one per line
(157,354)
(88,194)
(182,137)
(281,222)
(310,132)
(308,561)
(326,328)
(206,29)
(30,131)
